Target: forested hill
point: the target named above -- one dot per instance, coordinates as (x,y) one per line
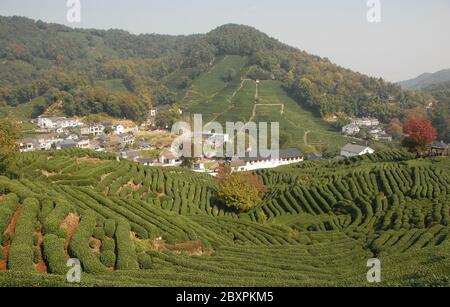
(426,80)
(93,71)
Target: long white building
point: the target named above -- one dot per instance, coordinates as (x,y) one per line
(286,157)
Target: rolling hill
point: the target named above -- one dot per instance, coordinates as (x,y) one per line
(426,80)
(131,225)
(243,99)
(115,72)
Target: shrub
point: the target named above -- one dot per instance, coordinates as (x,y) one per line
(47,207)
(2,256)
(54,254)
(52,223)
(7,209)
(145,261)
(79,246)
(21,258)
(126,255)
(108,244)
(99,233)
(22,248)
(108,258)
(110,228)
(238,191)
(140,231)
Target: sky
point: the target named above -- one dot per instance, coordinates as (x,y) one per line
(412,37)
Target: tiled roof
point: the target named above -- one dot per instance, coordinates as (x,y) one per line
(283,154)
(354,148)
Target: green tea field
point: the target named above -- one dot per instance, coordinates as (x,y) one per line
(131,225)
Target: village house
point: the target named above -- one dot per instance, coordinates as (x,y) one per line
(130,155)
(84,143)
(169,158)
(40,143)
(46,122)
(286,157)
(126,139)
(383,137)
(28,145)
(439,149)
(92,130)
(351,129)
(352,150)
(204,165)
(46,142)
(148,161)
(53,122)
(366,122)
(119,129)
(143,145)
(66,144)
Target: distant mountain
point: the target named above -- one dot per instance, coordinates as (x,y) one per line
(425,80)
(115,72)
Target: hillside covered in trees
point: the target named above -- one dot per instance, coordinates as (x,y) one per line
(115,72)
(440,114)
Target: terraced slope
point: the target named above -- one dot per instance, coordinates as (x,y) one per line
(134,225)
(244,100)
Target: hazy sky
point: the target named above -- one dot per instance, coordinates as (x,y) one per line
(412,38)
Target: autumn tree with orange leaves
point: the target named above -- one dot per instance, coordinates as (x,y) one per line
(420,133)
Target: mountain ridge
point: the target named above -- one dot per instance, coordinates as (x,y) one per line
(426,79)
(65,64)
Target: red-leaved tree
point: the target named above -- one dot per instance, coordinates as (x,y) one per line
(420,133)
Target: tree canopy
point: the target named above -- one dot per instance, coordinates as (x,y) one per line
(239,191)
(420,133)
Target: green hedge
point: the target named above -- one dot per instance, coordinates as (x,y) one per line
(108,244)
(7,208)
(52,223)
(21,258)
(126,255)
(21,253)
(54,254)
(108,258)
(145,261)
(110,227)
(79,246)
(99,233)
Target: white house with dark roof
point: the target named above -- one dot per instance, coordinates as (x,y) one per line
(352,150)
(169,158)
(285,157)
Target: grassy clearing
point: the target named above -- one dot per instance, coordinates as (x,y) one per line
(113,85)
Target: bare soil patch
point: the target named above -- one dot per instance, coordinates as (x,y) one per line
(97,246)
(70,224)
(41,267)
